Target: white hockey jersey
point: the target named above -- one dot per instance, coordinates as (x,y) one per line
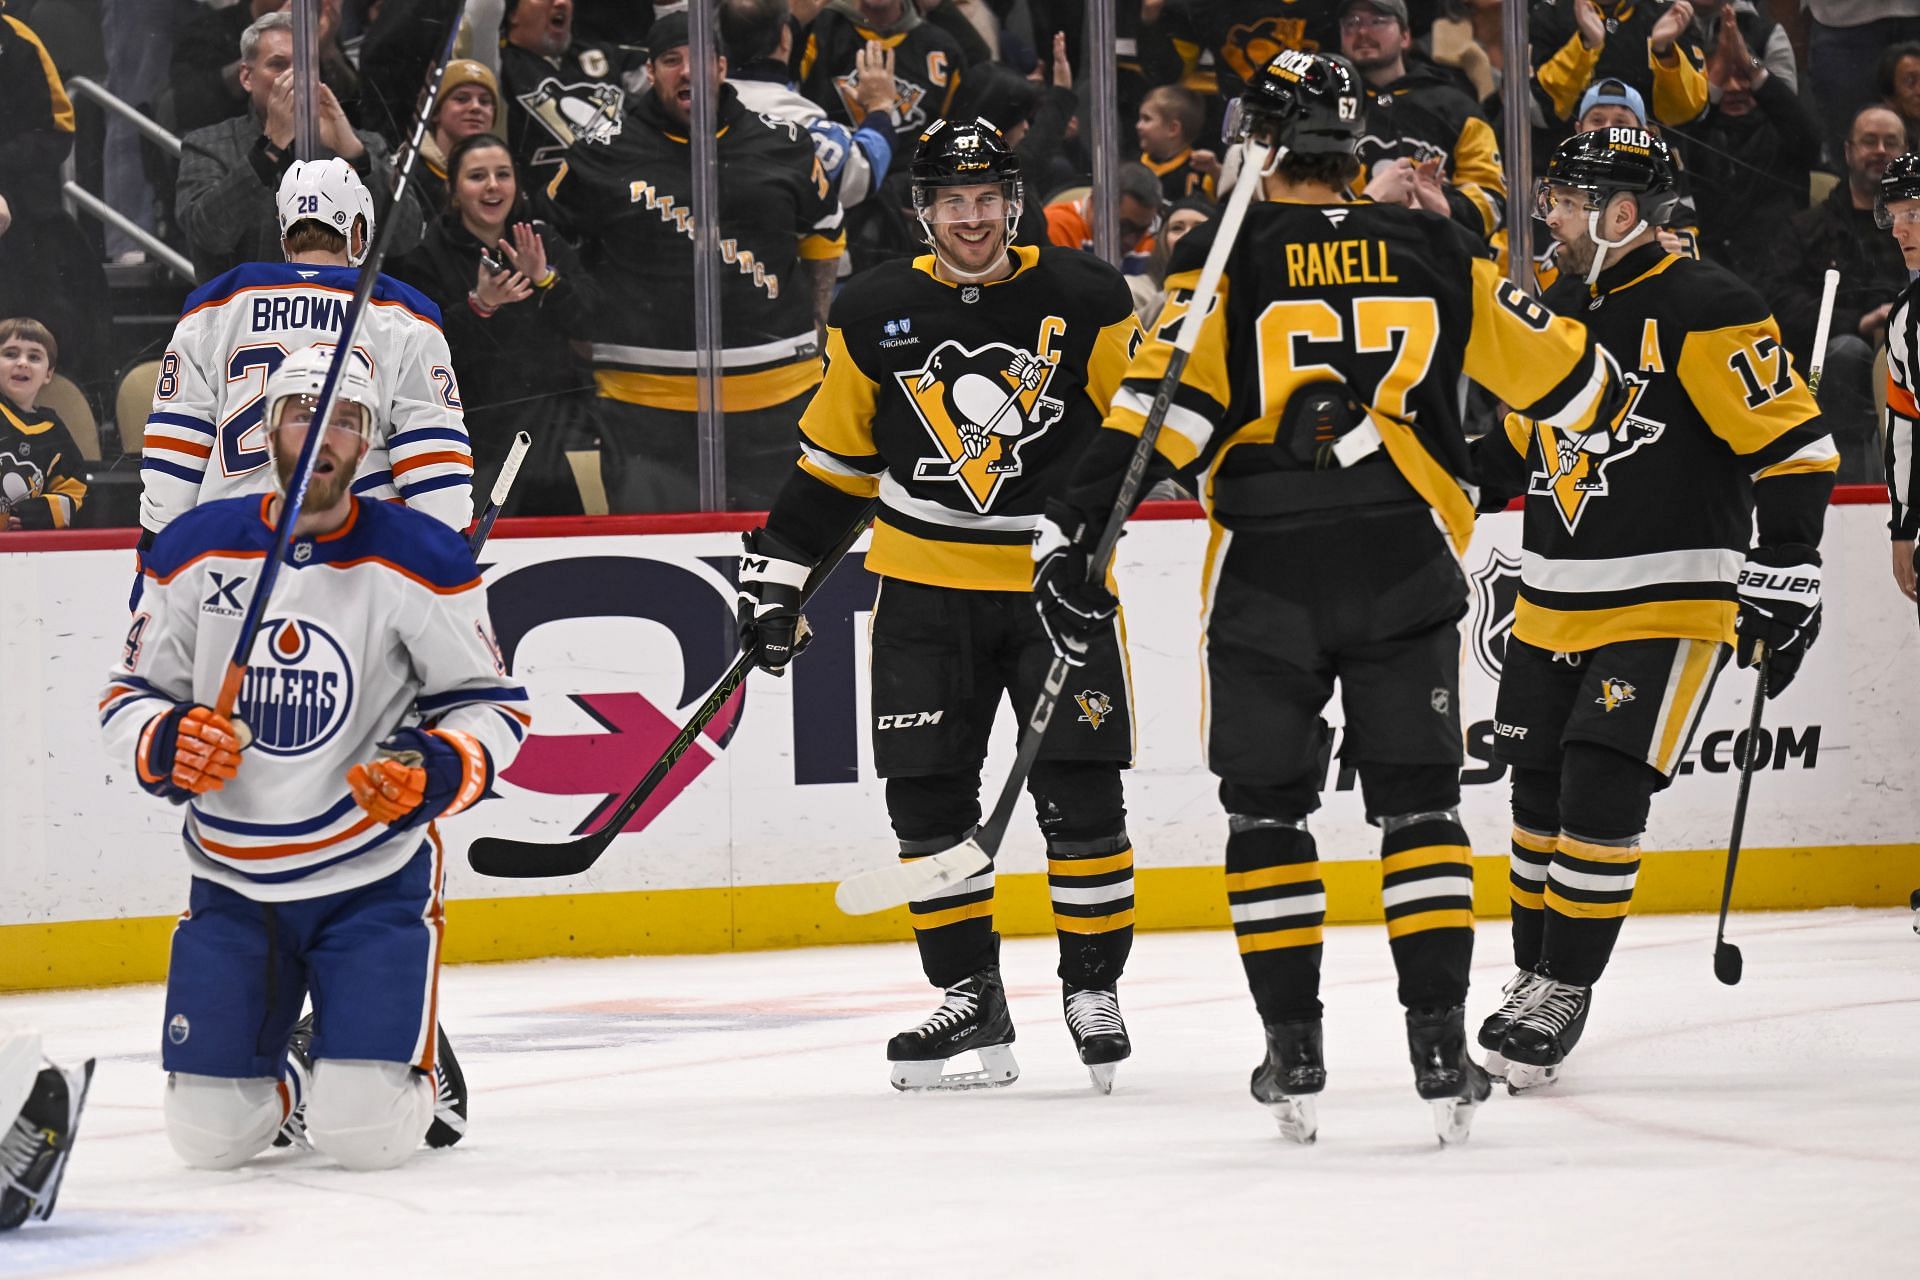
(205,439)
(378,626)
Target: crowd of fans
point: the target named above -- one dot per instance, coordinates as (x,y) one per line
(549,214)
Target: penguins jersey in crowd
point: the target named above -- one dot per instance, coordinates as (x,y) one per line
(633,195)
(205,438)
(926,66)
(582,94)
(379,625)
(1637,529)
(1392,302)
(40,469)
(963,407)
(1903,412)
(1422,116)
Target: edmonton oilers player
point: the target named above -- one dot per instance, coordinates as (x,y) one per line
(316,868)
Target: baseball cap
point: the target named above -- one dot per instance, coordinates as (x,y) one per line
(667,33)
(1617,93)
(1395,9)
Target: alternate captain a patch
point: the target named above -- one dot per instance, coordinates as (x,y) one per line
(980,408)
(1095,707)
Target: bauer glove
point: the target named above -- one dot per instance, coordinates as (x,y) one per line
(772,576)
(421,775)
(1779,610)
(188,752)
(1072,610)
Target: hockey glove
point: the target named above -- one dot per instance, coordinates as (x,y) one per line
(187,752)
(1072,610)
(772,575)
(421,775)
(1779,610)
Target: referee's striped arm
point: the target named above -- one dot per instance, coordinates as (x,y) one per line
(1903,466)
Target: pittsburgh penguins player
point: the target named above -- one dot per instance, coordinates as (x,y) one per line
(1318,420)
(959,388)
(1642,568)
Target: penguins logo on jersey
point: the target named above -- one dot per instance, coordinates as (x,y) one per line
(576,112)
(1614,693)
(20,478)
(980,408)
(1249,46)
(298,688)
(1582,463)
(1095,707)
(908,106)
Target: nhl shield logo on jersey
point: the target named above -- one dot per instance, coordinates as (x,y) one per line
(1581,462)
(1496,587)
(1095,707)
(298,689)
(981,408)
(1614,693)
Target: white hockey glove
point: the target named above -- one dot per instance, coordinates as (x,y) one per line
(1779,610)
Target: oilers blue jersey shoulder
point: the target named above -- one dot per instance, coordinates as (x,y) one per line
(266,275)
(225,524)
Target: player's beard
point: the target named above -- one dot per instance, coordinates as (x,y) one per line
(1576,255)
(324,488)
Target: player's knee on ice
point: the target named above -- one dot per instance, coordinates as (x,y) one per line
(218,1123)
(368,1115)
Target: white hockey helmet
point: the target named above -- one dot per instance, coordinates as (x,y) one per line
(330,193)
(303,374)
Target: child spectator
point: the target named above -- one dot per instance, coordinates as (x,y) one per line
(1170,121)
(40,486)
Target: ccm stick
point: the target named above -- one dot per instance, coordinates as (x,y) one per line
(905,882)
(528,860)
(1728,963)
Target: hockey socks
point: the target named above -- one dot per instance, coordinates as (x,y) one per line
(954,928)
(1531,853)
(1589,887)
(1426,888)
(1091,884)
(1279,905)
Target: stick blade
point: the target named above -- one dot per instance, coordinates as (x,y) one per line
(1727,963)
(506,859)
(895,886)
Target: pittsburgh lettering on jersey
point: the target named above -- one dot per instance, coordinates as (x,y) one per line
(297,311)
(1331,262)
(680,218)
(299,697)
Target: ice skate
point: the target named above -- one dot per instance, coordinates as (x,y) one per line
(1518,998)
(299,1083)
(1287,1082)
(34,1150)
(1540,1039)
(1099,1033)
(449,1095)
(1444,1073)
(972,1016)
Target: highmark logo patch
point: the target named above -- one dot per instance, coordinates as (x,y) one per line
(298,689)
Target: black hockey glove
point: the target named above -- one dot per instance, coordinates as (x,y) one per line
(1779,609)
(1072,610)
(772,575)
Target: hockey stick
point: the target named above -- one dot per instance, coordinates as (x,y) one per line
(885,887)
(501,487)
(296,494)
(1727,962)
(530,860)
(1818,360)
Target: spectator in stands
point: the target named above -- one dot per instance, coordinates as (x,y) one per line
(1167,127)
(468,104)
(512,297)
(1845,40)
(1414,114)
(1646,45)
(1149,290)
(230,171)
(1070,222)
(1840,232)
(1766,40)
(559,89)
(1757,148)
(927,60)
(139,44)
(206,77)
(40,466)
(1899,83)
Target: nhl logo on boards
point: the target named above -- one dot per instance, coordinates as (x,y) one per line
(1614,693)
(980,409)
(1496,589)
(1095,707)
(298,688)
(177,1029)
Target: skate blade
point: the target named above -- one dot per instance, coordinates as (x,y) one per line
(1453,1120)
(997,1069)
(1497,1066)
(1102,1073)
(1298,1118)
(1523,1078)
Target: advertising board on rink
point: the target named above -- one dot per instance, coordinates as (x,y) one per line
(618,637)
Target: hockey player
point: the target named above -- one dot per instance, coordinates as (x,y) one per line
(1898,211)
(316,868)
(1639,576)
(959,387)
(39,1119)
(204,436)
(1318,420)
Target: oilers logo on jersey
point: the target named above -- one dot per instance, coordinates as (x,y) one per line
(980,408)
(1581,461)
(297,698)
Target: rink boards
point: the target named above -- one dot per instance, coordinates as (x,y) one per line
(619,634)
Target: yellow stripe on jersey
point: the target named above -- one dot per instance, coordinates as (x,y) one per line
(818,248)
(839,418)
(739,392)
(859,486)
(1679,87)
(1519,433)
(969,566)
(1107,362)
(1476,171)
(1696,663)
(1429,479)
(1577,630)
(1742,382)
(1505,352)
(1206,371)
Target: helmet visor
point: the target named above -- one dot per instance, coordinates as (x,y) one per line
(1556,197)
(296,413)
(993,202)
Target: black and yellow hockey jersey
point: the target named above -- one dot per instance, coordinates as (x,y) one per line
(962,408)
(1223,42)
(555,102)
(926,66)
(1391,302)
(1637,529)
(1675,89)
(632,195)
(40,469)
(1422,116)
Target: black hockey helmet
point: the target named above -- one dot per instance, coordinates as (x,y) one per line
(963,153)
(1308,103)
(1901,181)
(1605,162)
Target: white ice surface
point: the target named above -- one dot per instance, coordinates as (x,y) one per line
(729,1115)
